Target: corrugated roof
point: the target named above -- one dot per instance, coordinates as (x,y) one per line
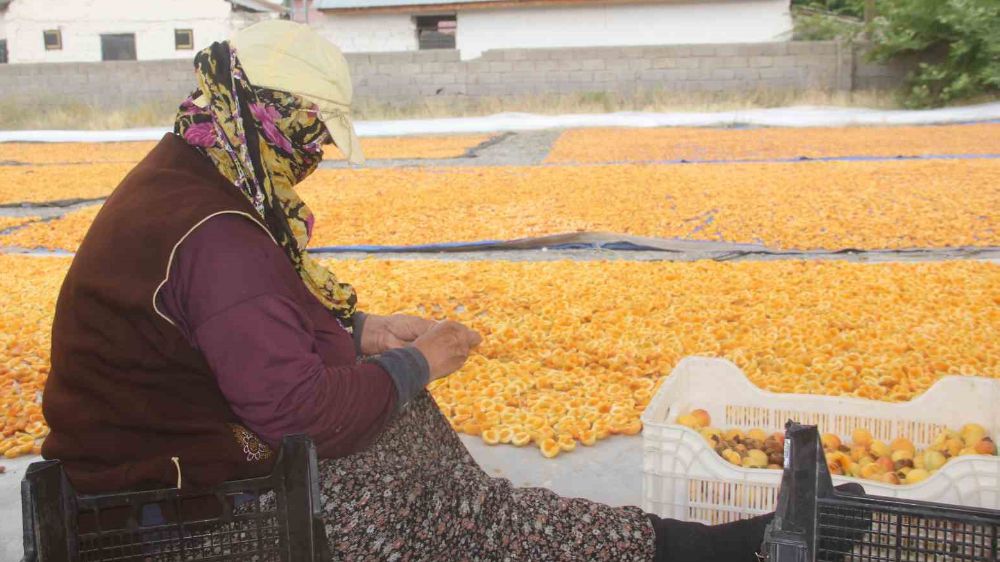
(257,5)
(353,4)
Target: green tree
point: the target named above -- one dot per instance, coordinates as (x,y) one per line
(961,39)
(852,8)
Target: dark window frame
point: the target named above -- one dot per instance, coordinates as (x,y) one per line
(4,56)
(429,34)
(52,45)
(113,52)
(183,46)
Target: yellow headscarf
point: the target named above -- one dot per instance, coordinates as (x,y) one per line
(265,141)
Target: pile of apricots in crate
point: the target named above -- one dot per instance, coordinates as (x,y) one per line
(896,462)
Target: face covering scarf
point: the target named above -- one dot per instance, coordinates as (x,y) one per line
(265,142)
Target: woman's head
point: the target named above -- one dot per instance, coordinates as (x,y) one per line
(267,101)
(296,76)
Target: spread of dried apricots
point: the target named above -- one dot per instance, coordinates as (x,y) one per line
(818,205)
(574,351)
(41,184)
(679,143)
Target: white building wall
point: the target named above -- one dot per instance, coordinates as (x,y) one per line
(83,21)
(725,21)
(366,33)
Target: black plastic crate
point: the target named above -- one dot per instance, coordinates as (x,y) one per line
(271,518)
(814,522)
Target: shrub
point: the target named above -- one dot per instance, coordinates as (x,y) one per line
(961,36)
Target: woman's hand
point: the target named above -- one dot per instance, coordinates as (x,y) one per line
(446,347)
(382,333)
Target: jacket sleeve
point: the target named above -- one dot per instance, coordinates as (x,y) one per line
(236,297)
(264,358)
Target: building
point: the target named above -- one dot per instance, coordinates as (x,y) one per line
(475,26)
(95,30)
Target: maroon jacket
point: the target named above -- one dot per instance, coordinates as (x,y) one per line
(282,360)
(129,399)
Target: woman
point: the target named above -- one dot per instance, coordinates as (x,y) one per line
(193,331)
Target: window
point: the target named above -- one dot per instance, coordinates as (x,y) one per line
(436,32)
(183,39)
(53,39)
(118,46)
(3,51)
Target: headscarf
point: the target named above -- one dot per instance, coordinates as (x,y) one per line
(264,141)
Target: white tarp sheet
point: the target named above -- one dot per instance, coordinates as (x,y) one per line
(776,117)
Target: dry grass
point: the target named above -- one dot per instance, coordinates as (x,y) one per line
(61,115)
(604,102)
(58,115)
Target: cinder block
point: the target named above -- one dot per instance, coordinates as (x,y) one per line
(562,54)
(387,58)
(761,62)
(703,50)
(605,76)
(593,64)
(711,63)
(530,76)
(501,66)
(664,63)
(492,55)
(786,61)
(747,75)
(446,55)
(769,73)
(735,62)
(723,74)
(581,76)
(671,51)
(357,58)
(727,50)
(639,64)
(476,66)
(524,66)
(631,52)
(411,68)
(698,73)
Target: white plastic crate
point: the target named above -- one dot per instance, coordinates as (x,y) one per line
(683,478)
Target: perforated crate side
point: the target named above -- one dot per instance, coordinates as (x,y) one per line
(684,478)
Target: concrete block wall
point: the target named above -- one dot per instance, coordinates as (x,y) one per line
(407,77)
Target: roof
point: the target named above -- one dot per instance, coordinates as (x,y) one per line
(254,5)
(431,6)
(362,4)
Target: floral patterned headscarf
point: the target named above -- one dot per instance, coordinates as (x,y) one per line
(264,141)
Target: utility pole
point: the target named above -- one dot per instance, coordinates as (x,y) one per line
(869,11)
(869,17)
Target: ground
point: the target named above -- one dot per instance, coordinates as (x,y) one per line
(854,261)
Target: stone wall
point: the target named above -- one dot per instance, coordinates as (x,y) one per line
(407,77)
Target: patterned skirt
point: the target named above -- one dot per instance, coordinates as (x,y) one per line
(417,494)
